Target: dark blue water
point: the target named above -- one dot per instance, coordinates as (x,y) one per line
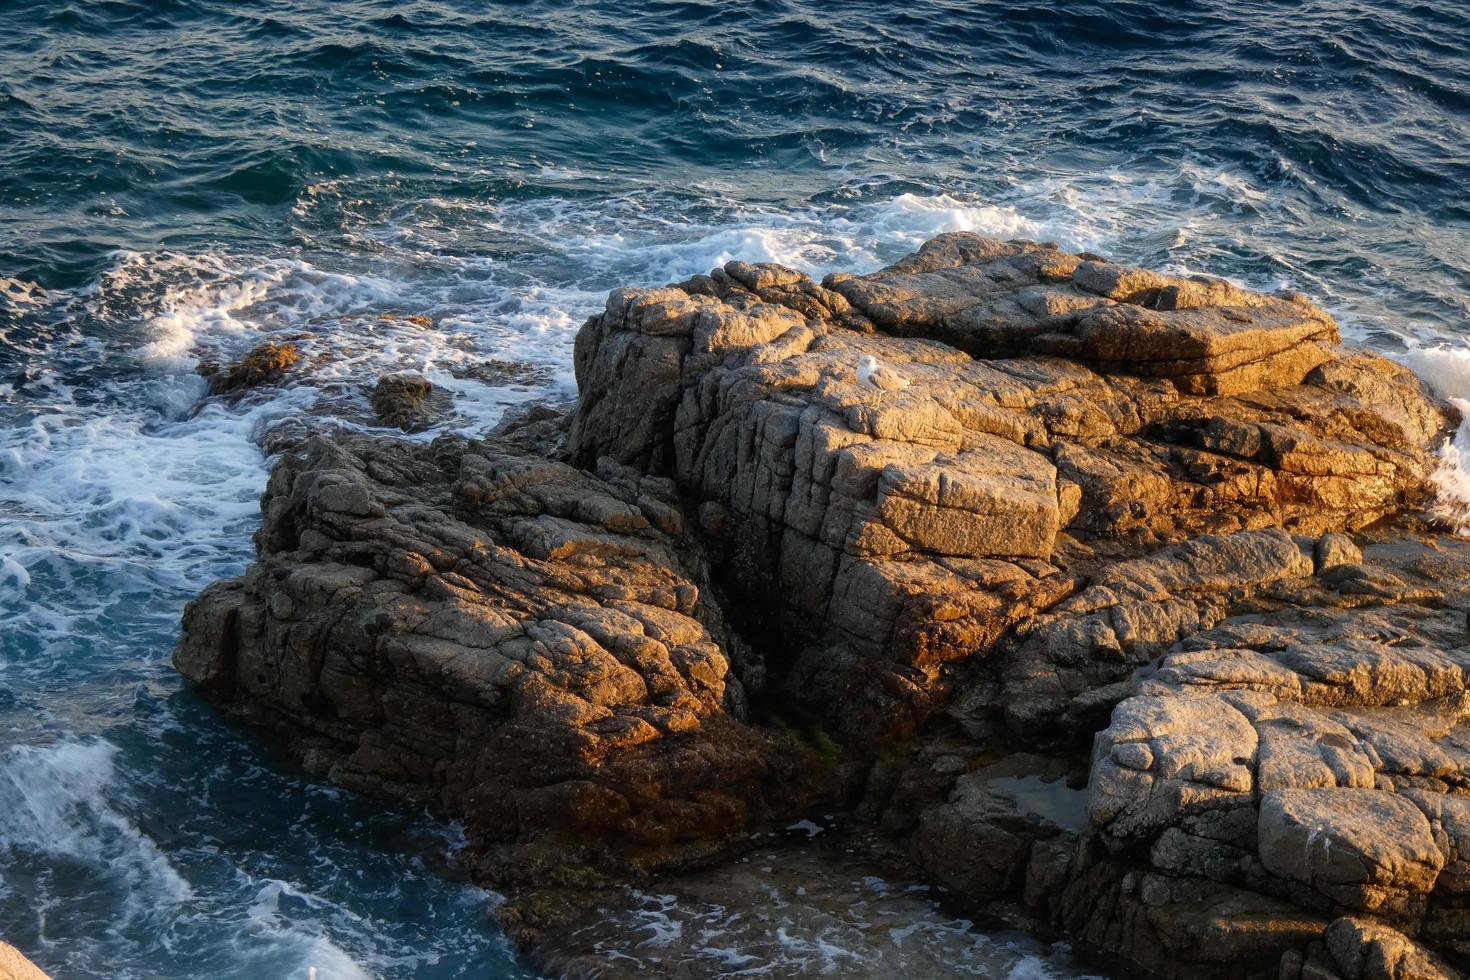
(179,178)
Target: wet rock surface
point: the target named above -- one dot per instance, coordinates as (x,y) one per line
(409,402)
(266,363)
(1120,616)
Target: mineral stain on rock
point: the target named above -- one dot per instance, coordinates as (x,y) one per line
(1164,517)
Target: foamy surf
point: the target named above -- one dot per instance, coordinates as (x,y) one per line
(802,911)
(67,839)
(135,829)
(1446,369)
(498,171)
(60,803)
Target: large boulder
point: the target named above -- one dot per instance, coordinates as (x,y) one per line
(991,298)
(1054,398)
(518,643)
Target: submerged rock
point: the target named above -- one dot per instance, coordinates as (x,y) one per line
(1166,515)
(266,363)
(409,402)
(505,373)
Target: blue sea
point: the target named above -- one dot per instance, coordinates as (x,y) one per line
(180,178)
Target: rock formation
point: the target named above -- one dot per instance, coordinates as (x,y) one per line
(409,402)
(266,363)
(502,636)
(1314,751)
(901,537)
(1166,512)
(14,966)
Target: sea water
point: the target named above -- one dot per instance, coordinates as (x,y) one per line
(181,178)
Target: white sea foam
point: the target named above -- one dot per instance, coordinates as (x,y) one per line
(221,305)
(16,294)
(59,801)
(914,218)
(201,297)
(651,242)
(1447,370)
(271,934)
(807,913)
(1444,368)
(137,497)
(120,496)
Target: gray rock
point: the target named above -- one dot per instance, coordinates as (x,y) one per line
(1332,550)
(1360,848)
(1366,949)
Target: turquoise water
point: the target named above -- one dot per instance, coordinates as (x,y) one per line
(179,178)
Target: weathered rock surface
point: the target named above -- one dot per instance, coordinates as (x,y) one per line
(1316,751)
(895,536)
(409,402)
(266,363)
(503,636)
(1155,510)
(1061,672)
(1289,753)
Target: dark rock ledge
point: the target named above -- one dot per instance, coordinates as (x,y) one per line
(1168,518)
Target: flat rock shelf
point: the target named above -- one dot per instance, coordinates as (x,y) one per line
(1124,619)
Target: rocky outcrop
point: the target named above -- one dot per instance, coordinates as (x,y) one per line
(266,363)
(512,640)
(1314,750)
(1054,398)
(1287,761)
(1166,512)
(1001,299)
(409,402)
(1063,671)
